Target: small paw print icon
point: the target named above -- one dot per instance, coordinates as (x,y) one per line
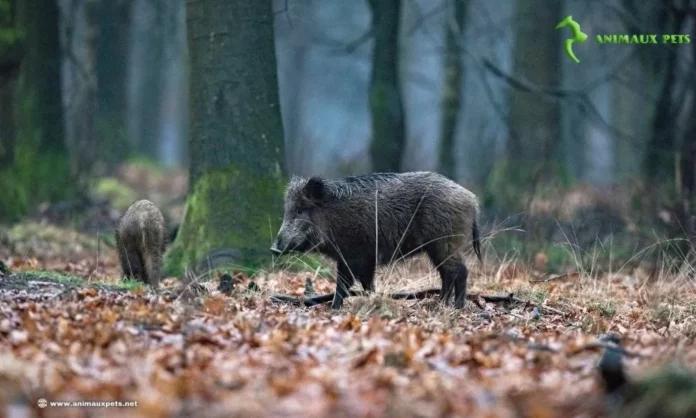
(42,403)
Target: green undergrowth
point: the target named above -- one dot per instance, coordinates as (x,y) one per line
(76,281)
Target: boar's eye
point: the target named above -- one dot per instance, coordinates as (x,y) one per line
(300,211)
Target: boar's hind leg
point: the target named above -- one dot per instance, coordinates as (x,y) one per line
(461,275)
(344,280)
(153,266)
(453,274)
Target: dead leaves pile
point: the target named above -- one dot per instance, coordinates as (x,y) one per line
(245,356)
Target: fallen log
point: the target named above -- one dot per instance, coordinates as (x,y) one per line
(419,294)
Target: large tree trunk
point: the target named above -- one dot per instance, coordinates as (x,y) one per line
(451,95)
(236,142)
(37,167)
(385,94)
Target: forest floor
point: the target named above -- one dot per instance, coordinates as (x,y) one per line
(70,330)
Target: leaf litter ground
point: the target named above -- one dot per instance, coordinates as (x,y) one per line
(84,336)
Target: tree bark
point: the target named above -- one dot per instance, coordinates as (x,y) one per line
(10,60)
(37,166)
(534,120)
(79,41)
(236,142)
(454,74)
(385,94)
(659,159)
(115,22)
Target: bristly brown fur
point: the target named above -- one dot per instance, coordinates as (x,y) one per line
(141,238)
(413,213)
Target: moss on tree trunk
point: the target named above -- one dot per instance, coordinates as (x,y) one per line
(36,166)
(236,174)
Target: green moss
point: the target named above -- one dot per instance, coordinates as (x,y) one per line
(130,284)
(55,276)
(35,175)
(228,209)
(120,195)
(10,36)
(605,308)
(306,263)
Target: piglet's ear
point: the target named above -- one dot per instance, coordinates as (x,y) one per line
(315,189)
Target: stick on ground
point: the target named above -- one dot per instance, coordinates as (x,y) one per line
(420,294)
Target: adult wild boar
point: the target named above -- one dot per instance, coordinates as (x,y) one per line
(141,238)
(414,212)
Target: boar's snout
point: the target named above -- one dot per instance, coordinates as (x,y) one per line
(275,248)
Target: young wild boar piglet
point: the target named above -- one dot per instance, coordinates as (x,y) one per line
(141,240)
(415,212)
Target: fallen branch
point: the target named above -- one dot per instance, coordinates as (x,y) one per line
(420,294)
(566,276)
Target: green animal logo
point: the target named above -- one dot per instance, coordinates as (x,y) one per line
(578,36)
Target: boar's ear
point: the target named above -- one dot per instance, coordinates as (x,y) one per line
(314,190)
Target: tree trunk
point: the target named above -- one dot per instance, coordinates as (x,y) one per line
(385,95)
(236,142)
(79,40)
(534,119)
(173,113)
(451,96)
(659,159)
(146,64)
(112,56)
(38,169)
(10,60)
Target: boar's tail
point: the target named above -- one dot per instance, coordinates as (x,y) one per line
(476,240)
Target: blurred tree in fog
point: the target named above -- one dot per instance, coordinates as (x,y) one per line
(79,36)
(534,120)
(156,94)
(385,87)
(451,95)
(236,142)
(114,20)
(34,165)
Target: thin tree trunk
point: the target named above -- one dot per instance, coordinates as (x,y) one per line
(236,141)
(454,73)
(79,41)
(146,65)
(534,120)
(385,94)
(112,57)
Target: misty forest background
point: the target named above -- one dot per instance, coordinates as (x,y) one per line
(573,163)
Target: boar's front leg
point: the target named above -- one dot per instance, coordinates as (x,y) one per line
(344,280)
(347,273)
